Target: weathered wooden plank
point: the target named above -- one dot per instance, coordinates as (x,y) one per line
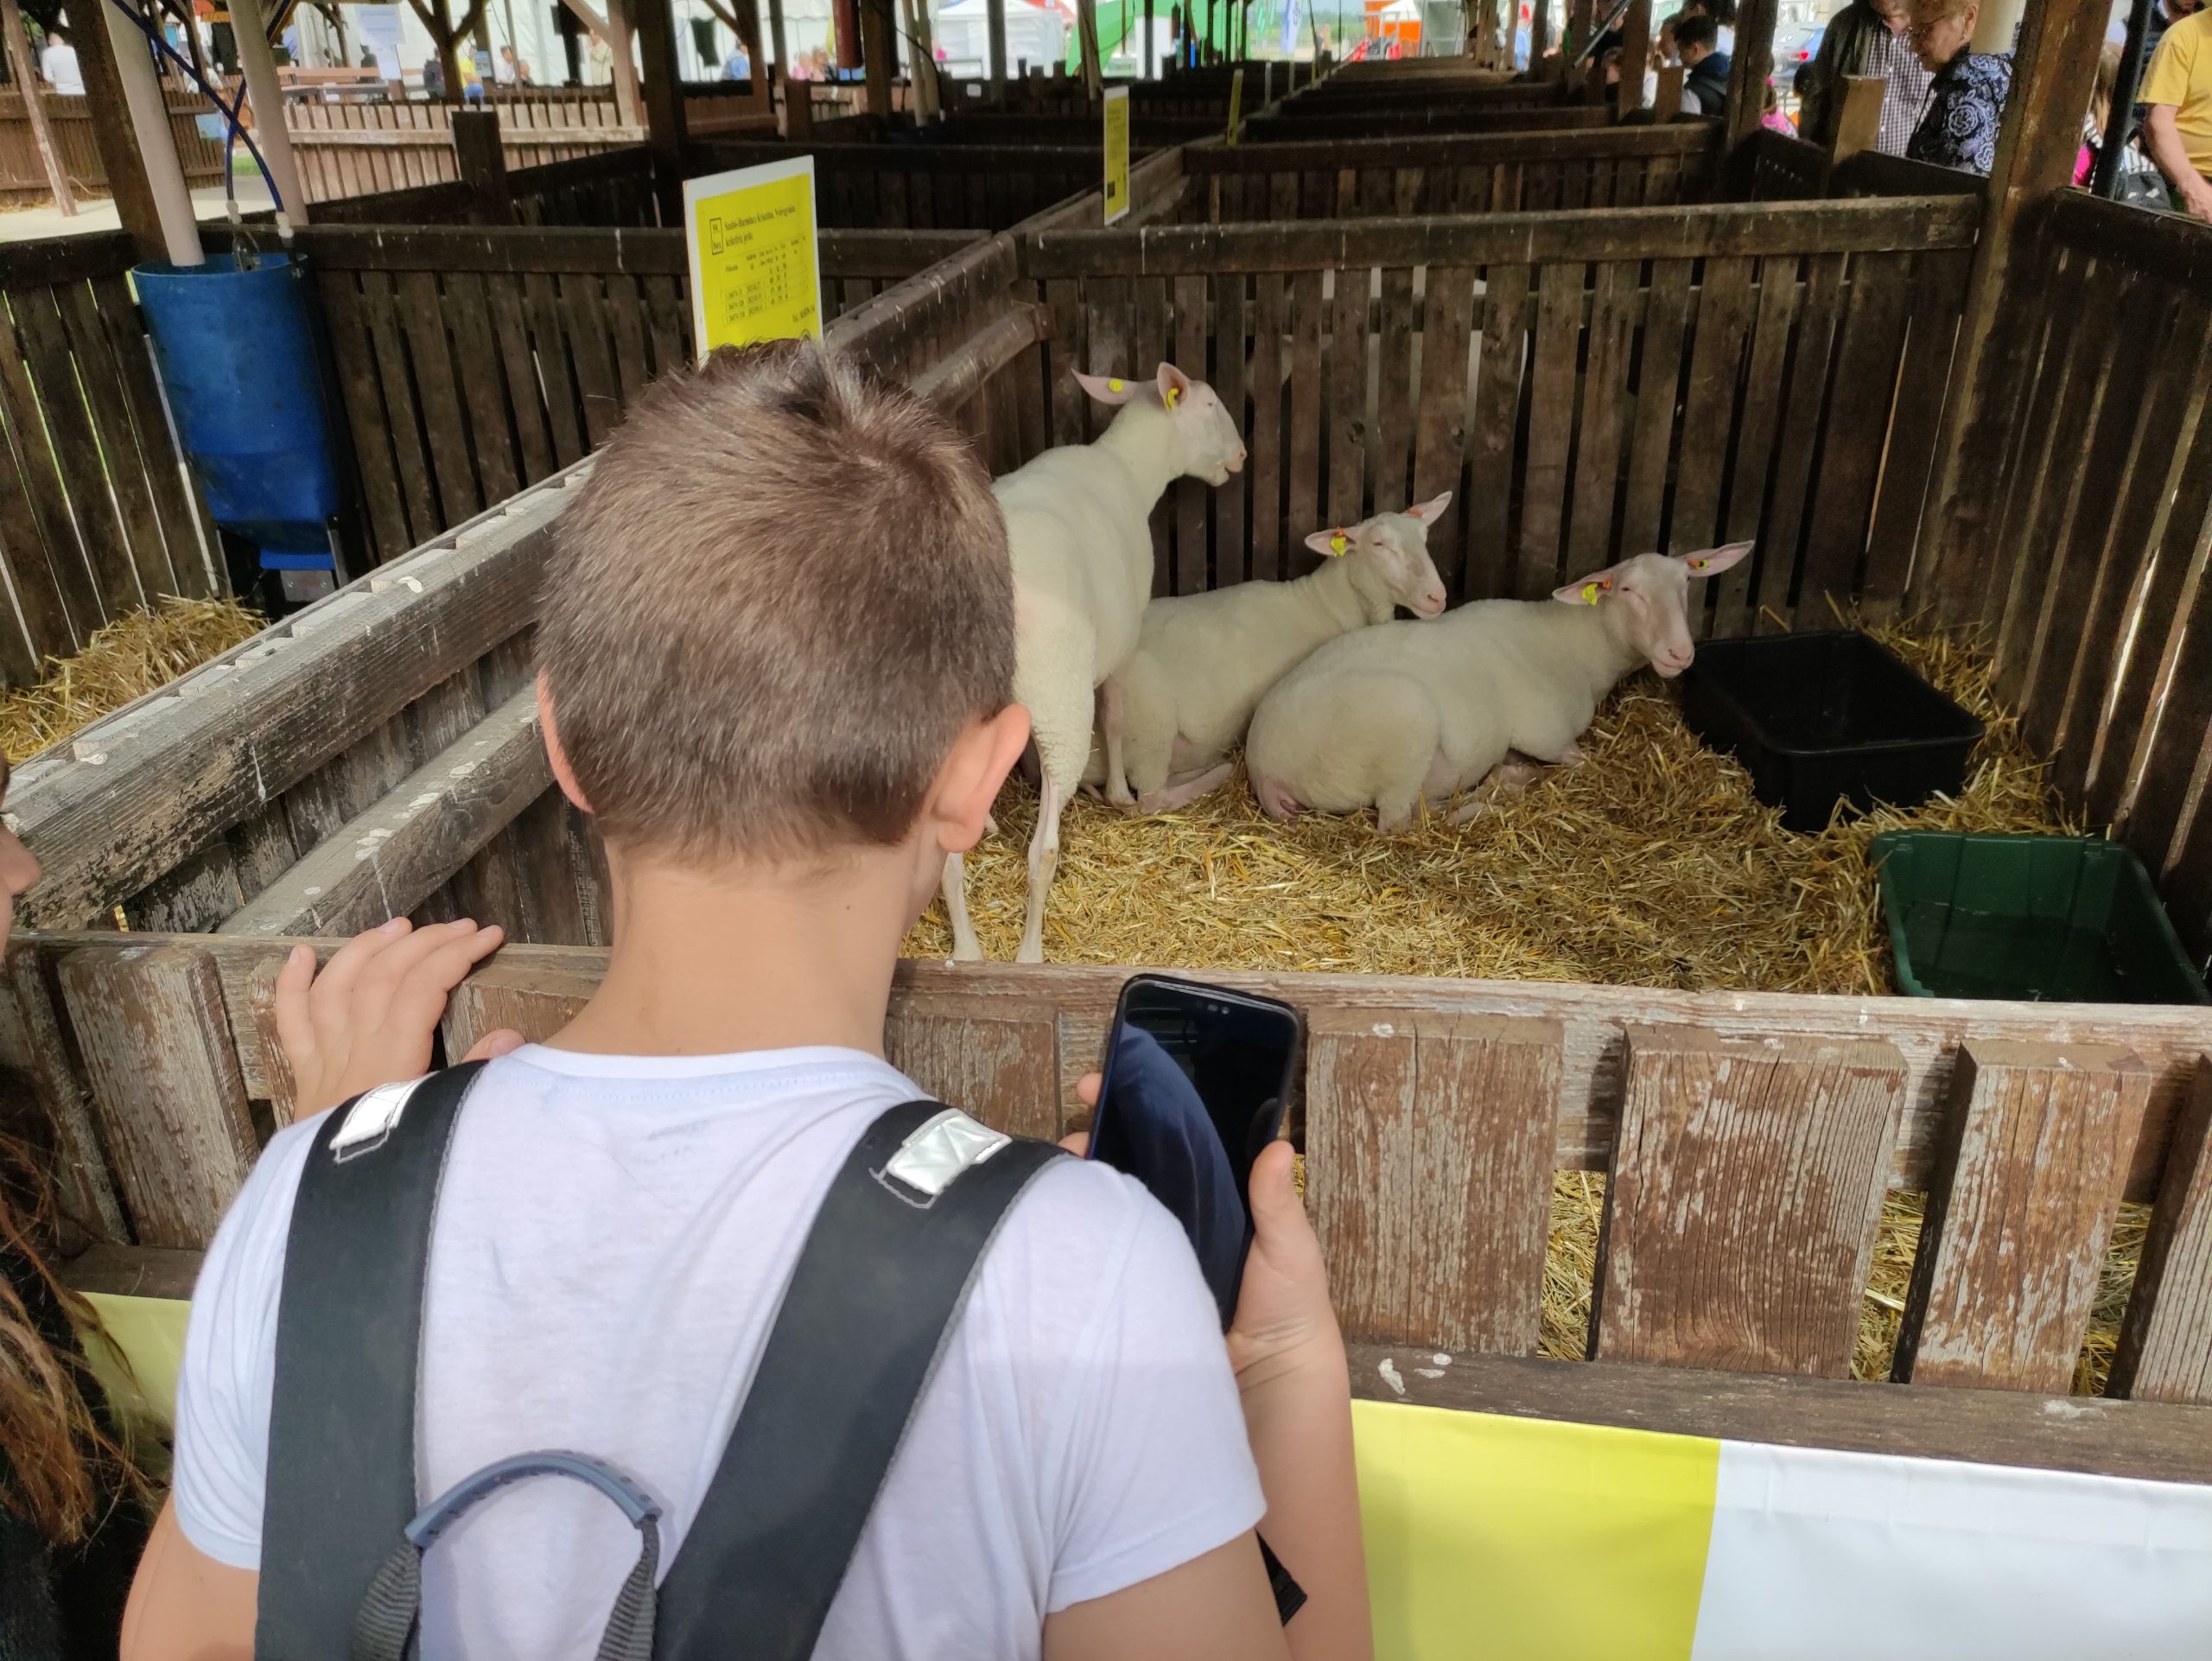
(1552,388)
(1939,290)
(1858,426)
(1615,308)
(1229,560)
(208,752)
(583,313)
(388,859)
(360,388)
(190,899)
(1724,321)
(1066,346)
(322,804)
(421,314)
(1757,434)
(2027,1181)
(1428,1161)
(40,472)
(1268,376)
(166,1086)
(1658,391)
(1746,1187)
(1192,573)
(548,338)
(2165,1342)
(42,1078)
(476,363)
(31,578)
(626,323)
(1304,458)
(997,1059)
(1347,376)
(518,368)
(133,466)
(1446,392)
(2154,1441)
(1488,569)
(403,410)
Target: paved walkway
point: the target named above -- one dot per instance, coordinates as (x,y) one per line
(28,224)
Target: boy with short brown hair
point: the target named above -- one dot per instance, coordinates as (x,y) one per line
(775,653)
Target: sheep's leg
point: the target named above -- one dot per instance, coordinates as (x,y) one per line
(966,948)
(1507,779)
(1182,791)
(1109,725)
(1043,860)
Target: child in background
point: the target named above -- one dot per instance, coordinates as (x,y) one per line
(781,737)
(1773,120)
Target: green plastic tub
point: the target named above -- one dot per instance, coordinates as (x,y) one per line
(2040,919)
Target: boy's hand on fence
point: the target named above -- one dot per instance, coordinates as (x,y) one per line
(1284,1322)
(369,1018)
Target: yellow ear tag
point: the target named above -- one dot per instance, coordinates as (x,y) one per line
(1173,393)
(1590,591)
(1113,386)
(1698,564)
(1338,544)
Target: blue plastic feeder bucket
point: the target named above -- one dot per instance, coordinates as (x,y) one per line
(237,351)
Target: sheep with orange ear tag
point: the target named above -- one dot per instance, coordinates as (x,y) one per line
(1410,714)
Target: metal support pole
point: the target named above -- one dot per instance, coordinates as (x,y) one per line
(267,96)
(2119,121)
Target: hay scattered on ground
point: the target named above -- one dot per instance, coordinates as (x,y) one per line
(1652,864)
(128,658)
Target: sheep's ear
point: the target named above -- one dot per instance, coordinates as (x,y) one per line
(1711,562)
(1429,511)
(1335,543)
(1174,385)
(1588,590)
(1109,389)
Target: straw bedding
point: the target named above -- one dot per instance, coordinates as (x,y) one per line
(1652,864)
(126,659)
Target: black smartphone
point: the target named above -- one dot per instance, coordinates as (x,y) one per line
(1195,1079)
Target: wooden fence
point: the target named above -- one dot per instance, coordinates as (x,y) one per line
(1504,172)
(1721,1275)
(2097,600)
(96,515)
(925,187)
(1587,385)
(22,175)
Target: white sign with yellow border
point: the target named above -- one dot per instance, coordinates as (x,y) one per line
(750,234)
(1117,153)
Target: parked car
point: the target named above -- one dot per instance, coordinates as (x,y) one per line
(1794,48)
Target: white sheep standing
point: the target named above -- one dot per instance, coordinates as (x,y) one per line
(1078,525)
(1410,714)
(1202,661)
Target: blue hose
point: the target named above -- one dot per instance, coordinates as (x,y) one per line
(237,134)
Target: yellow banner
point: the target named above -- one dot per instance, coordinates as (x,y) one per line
(1117,153)
(751,237)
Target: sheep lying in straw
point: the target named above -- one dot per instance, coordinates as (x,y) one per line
(1411,714)
(1078,525)
(1202,661)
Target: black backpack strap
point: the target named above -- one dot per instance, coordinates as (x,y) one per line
(349,1326)
(881,1281)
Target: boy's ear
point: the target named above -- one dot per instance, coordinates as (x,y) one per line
(564,774)
(968,782)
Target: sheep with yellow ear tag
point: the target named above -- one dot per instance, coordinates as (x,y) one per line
(1409,715)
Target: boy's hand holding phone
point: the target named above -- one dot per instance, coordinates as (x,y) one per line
(370,1017)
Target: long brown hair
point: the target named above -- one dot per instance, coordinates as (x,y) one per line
(59,1465)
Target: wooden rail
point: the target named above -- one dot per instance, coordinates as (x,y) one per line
(1748,1139)
(96,518)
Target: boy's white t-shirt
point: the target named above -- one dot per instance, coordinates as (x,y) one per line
(612,1238)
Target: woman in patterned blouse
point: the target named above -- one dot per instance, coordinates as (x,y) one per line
(1966,101)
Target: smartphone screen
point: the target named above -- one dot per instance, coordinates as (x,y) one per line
(1194,1085)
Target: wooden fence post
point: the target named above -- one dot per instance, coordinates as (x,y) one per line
(2165,1343)
(995,11)
(879,54)
(26,75)
(2052,72)
(1636,54)
(664,93)
(1667,102)
(483,162)
(1748,71)
(1859,127)
(1540,34)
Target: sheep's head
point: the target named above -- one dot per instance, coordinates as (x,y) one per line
(1207,440)
(1648,600)
(1390,558)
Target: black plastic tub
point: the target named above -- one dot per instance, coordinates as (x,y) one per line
(1835,717)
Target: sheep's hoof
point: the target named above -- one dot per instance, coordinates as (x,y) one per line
(968,951)
(1121,798)
(1030,953)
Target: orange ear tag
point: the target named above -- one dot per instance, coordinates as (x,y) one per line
(1114,385)
(1338,544)
(1697,564)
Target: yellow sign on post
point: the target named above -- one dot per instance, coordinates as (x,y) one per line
(1117,153)
(1236,106)
(754,274)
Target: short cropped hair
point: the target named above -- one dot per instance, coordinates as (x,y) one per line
(1722,11)
(778,599)
(1695,29)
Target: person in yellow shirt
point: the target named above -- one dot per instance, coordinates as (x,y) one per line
(2178,131)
